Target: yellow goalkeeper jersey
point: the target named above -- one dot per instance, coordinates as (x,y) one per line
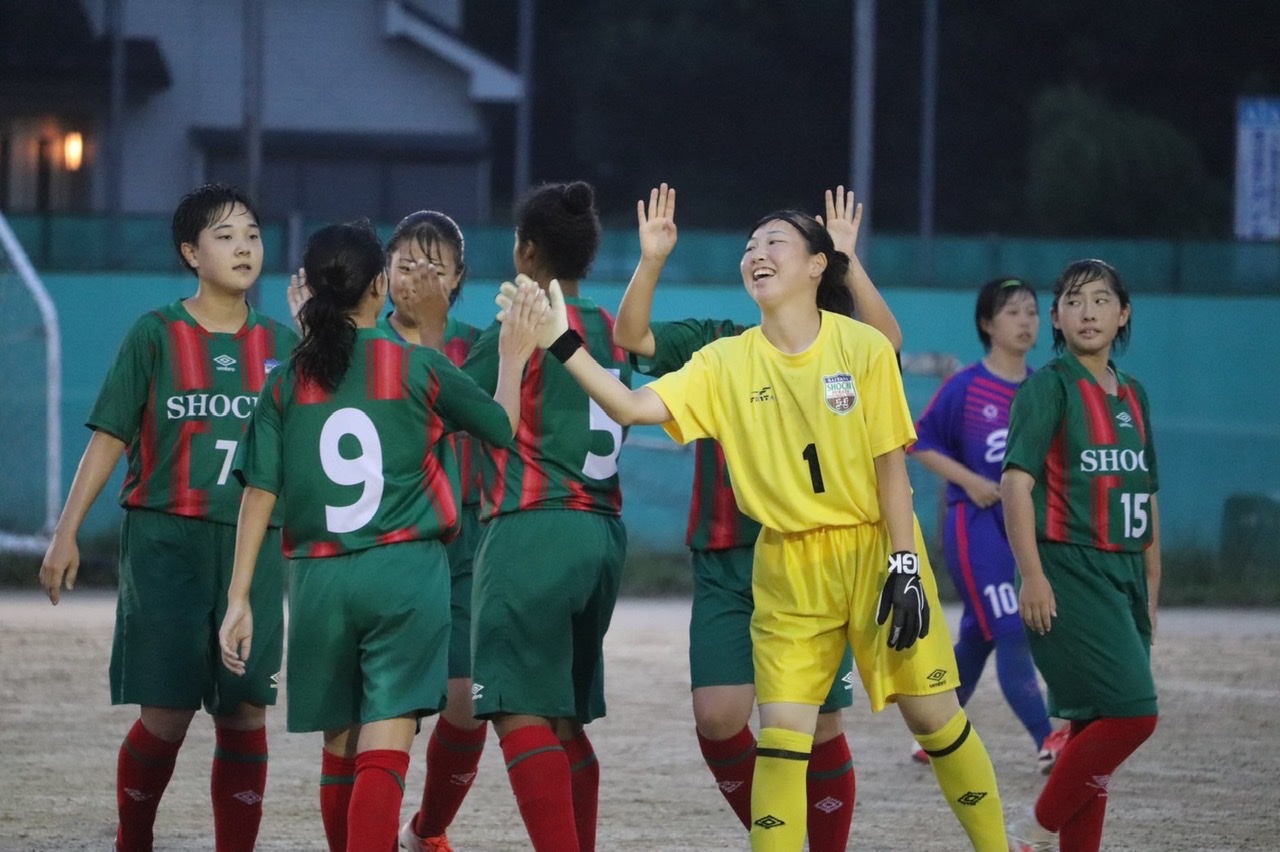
(800,432)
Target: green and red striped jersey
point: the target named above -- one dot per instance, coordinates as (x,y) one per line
(467,457)
(1091,454)
(180,398)
(715,523)
(359,467)
(566,452)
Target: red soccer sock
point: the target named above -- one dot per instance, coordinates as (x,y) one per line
(1069,803)
(237,785)
(453,756)
(584,779)
(732,763)
(374,813)
(831,788)
(143,769)
(337,779)
(539,774)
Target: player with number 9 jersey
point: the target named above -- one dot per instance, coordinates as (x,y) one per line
(347,433)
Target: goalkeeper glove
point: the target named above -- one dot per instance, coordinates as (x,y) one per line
(903,594)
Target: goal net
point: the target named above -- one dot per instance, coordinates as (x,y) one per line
(30,402)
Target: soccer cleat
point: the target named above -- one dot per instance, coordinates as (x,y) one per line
(1053,746)
(1028,835)
(918,754)
(410,840)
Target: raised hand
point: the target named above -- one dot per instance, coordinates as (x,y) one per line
(556,321)
(903,595)
(657,226)
(843,220)
(297,294)
(522,319)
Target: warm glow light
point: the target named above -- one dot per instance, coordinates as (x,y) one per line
(72,151)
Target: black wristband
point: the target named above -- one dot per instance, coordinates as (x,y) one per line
(565,345)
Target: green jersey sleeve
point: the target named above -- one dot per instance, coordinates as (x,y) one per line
(123,398)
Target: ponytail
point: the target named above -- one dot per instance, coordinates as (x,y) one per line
(341,262)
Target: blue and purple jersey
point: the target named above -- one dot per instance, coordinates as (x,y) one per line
(968,421)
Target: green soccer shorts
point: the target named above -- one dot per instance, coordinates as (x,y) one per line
(546,582)
(368,636)
(174,574)
(1096,659)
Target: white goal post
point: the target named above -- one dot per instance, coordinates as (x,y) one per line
(16,257)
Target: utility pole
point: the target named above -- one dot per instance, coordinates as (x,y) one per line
(863,113)
(113,185)
(524,109)
(928,132)
(252,128)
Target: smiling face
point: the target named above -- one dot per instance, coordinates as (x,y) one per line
(777,265)
(1089,316)
(228,253)
(1015,326)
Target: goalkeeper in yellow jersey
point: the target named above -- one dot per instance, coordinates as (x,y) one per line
(810,412)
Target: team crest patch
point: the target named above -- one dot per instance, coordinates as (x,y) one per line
(841,395)
(269,364)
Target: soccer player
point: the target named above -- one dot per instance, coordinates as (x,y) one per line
(551,554)
(961,438)
(427,265)
(809,410)
(721,539)
(1079,491)
(177,398)
(347,429)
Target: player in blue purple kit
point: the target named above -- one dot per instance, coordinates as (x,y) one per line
(961,438)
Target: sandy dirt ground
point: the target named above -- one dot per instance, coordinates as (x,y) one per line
(1208,780)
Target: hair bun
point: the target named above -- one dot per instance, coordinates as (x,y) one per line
(579,197)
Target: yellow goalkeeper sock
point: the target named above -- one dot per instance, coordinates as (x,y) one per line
(963,769)
(779,803)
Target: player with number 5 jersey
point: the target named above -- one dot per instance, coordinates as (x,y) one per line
(347,432)
(550,558)
(1079,490)
(177,399)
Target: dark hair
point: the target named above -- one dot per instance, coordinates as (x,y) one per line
(1079,273)
(561,219)
(201,208)
(341,262)
(832,294)
(992,297)
(429,228)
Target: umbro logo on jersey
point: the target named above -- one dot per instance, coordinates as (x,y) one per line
(226,364)
(936,678)
(840,392)
(1125,420)
(765,394)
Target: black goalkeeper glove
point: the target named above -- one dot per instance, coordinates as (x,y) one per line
(903,593)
